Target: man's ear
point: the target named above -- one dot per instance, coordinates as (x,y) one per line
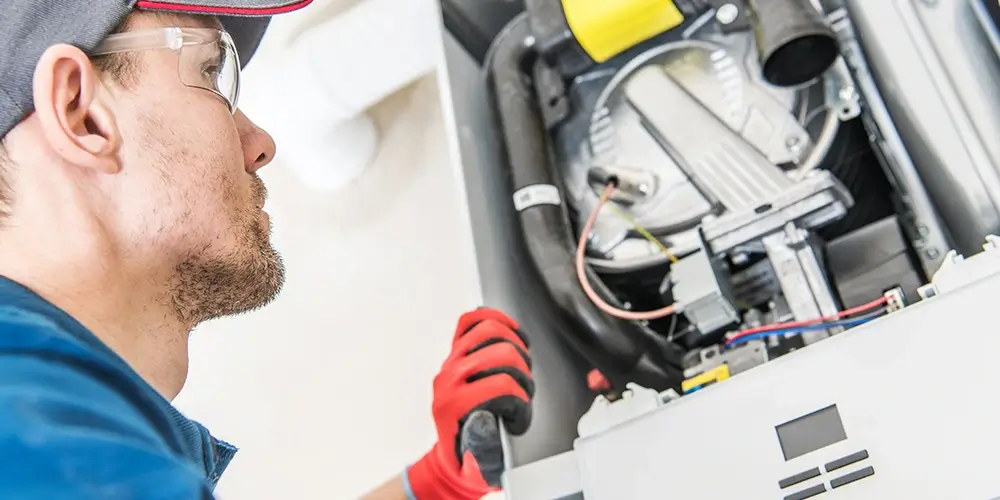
(77,125)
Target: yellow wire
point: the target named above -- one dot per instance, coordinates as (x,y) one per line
(643,232)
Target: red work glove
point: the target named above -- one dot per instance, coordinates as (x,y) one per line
(487,377)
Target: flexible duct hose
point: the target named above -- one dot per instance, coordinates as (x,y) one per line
(614,346)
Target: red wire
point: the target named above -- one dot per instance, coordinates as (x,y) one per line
(581,271)
(792,324)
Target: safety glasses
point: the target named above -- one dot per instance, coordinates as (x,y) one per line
(207,58)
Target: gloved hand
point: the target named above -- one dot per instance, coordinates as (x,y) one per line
(486,376)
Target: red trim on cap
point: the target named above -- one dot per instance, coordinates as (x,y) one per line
(222,11)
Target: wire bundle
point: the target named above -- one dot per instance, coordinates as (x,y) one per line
(846,319)
(581,266)
(862,314)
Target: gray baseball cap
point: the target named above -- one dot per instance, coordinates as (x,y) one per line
(29,27)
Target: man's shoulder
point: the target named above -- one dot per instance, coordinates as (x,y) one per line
(45,366)
(58,345)
(66,380)
(35,329)
(66,432)
(65,396)
(27,331)
(63,359)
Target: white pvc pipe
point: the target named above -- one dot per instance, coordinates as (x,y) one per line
(313,97)
(374,49)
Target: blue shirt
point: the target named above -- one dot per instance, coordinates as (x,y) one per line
(77,422)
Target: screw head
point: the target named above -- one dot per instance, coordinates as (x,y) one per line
(847,94)
(727,13)
(794,145)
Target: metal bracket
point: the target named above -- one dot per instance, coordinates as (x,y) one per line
(818,199)
(802,280)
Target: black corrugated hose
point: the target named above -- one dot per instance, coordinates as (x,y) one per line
(617,347)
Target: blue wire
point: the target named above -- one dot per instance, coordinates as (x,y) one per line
(799,329)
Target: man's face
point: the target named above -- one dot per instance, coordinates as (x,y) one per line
(191,196)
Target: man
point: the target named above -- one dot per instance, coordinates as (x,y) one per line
(130,211)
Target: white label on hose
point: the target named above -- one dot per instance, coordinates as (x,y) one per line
(536,194)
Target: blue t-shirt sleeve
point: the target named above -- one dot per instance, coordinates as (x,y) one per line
(64,434)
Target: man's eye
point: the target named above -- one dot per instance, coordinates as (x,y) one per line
(210,73)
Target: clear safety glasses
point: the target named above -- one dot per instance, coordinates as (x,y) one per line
(207,58)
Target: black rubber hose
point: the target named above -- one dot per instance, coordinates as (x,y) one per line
(794,43)
(614,346)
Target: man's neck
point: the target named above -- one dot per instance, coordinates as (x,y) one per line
(129,316)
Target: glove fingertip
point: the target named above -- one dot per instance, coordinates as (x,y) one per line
(481,447)
(518,422)
(480,427)
(515,412)
(470,319)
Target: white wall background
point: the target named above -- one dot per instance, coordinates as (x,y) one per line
(328,390)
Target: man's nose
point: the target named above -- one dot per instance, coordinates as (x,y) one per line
(258,146)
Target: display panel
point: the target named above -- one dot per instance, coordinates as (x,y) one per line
(811,432)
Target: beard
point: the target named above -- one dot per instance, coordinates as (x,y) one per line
(243,280)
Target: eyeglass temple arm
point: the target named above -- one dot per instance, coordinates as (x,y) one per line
(168,38)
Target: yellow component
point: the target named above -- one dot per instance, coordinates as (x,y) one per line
(605,28)
(717,374)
